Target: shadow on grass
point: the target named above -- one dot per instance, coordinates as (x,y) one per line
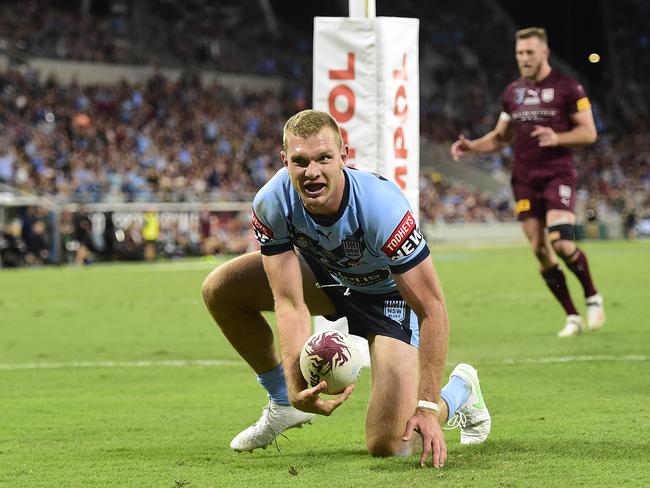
(479,458)
(540,451)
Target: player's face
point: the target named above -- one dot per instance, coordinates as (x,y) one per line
(315,166)
(532,55)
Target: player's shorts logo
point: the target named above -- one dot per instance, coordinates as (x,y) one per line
(548,94)
(565,194)
(522,205)
(395,309)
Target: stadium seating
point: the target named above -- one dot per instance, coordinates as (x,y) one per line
(184,141)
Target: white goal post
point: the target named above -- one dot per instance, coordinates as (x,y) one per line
(366,75)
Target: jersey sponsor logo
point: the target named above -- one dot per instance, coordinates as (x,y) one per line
(520,94)
(565,194)
(395,309)
(532,97)
(262,233)
(522,205)
(548,94)
(325,235)
(404,240)
(366,279)
(538,115)
(583,104)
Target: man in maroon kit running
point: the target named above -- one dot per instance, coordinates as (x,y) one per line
(544,114)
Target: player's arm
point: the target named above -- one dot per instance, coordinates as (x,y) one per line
(494,140)
(294,326)
(292,314)
(421,289)
(583,132)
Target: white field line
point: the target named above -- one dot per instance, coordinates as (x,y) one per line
(182,363)
(174,363)
(576,359)
(161,267)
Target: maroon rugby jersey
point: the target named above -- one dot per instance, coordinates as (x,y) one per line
(549,102)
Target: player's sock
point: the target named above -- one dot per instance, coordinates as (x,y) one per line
(580,268)
(274,383)
(455,394)
(556,282)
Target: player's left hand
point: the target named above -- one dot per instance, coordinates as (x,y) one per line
(309,400)
(546,137)
(433,439)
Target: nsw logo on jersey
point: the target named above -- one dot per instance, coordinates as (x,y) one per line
(262,233)
(404,240)
(352,247)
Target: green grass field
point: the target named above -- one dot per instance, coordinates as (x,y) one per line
(101,383)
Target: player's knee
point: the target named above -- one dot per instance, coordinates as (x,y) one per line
(541,252)
(562,237)
(214,289)
(561,232)
(385,446)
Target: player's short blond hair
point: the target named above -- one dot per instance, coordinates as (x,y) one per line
(529,32)
(309,123)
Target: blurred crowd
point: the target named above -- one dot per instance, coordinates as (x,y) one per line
(160,141)
(37,236)
(447,201)
(229,35)
(629,22)
(181,141)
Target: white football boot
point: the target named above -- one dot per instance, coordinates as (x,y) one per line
(574,326)
(274,421)
(595,312)
(473,417)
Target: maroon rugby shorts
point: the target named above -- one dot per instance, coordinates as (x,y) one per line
(535,196)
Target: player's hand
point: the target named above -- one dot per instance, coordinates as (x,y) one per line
(546,137)
(460,147)
(309,400)
(433,440)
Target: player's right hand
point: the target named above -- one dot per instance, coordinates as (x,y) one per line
(433,440)
(309,400)
(460,147)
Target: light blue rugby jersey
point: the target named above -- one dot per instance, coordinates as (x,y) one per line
(373,235)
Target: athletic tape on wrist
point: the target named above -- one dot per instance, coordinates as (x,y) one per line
(429,405)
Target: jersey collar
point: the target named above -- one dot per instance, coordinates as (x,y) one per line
(327,221)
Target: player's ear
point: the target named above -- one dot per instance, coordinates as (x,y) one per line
(345,151)
(285,160)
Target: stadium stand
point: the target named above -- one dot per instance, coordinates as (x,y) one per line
(183,140)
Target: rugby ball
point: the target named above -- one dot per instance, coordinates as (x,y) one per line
(330,355)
